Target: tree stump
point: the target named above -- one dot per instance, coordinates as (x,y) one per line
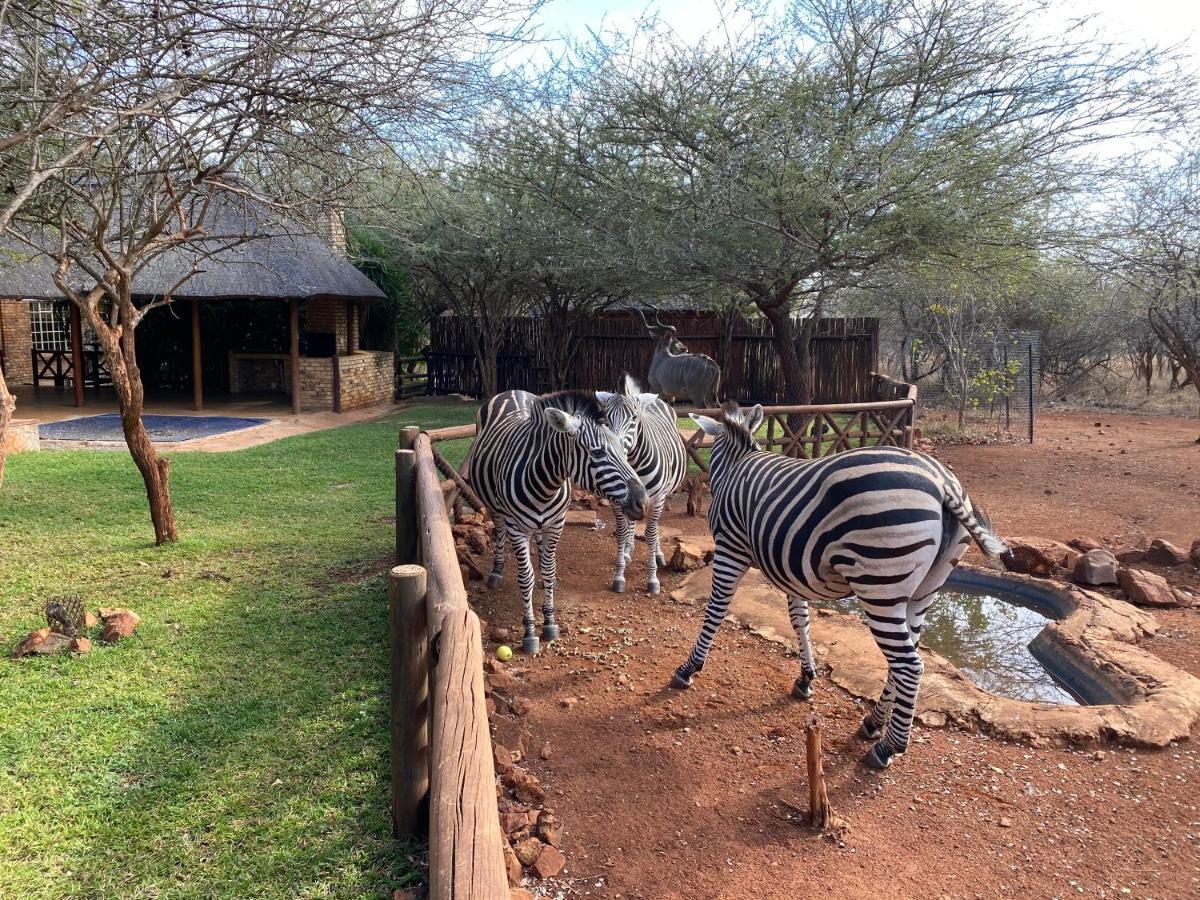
(819,814)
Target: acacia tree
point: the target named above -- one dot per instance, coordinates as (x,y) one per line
(795,160)
(120,176)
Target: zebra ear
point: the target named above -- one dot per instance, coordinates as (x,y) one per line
(627,386)
(562,421)
(602,397)
(711,427)
(754,417)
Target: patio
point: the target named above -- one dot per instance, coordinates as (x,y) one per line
(49,405)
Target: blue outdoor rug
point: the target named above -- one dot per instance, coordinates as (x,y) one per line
(163,429)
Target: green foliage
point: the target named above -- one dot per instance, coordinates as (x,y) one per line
(236,746)
(399,323)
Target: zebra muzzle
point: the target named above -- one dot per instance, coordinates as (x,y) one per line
(635,503)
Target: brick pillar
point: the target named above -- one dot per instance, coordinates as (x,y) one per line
(18,341)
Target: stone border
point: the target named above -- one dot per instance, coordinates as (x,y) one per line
(1140,700)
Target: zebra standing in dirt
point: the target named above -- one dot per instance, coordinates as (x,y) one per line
(882,523)
(647,427)
(527,451)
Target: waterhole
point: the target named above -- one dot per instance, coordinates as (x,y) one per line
(987,637)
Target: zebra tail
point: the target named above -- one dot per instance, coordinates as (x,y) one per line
(978,525)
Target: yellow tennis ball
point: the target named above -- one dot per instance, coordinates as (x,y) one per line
(504,653)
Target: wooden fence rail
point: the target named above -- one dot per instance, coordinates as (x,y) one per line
(442,769)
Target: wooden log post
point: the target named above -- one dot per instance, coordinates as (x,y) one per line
(461,483)
(466,856)
(409,643)
(819,814)
(407,530)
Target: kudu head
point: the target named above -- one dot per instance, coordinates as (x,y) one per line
(663,332)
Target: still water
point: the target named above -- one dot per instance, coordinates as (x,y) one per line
(988,639)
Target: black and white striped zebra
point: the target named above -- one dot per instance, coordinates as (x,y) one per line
(882,523)
(647,427)
(527,451)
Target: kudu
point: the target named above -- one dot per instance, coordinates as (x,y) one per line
(675,373)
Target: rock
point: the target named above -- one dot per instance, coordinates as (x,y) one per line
(568,702)
(30,642)
(515,825)
(528,850)
(90,620)
(688,557)
(585,518)
(118,624)
(520,894)
(512,866)
(477,540)
(499,635)
(1194,553)
(81,645)
(490,703)
(53,644)
(1005,822)
(1147,589)
(549,863)
(525,787)
(521,706)
(501,682)
(502,757)
(1035,556)
(549,829)
(1164,553)
(546,750)
(1084,544)
(1096,567)
(1131,556)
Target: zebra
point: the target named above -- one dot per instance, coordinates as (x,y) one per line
(885,524)
(647,427)
(526,452)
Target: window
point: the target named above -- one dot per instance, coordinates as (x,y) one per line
(50,324)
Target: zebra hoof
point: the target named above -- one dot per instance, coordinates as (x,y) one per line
(494,581)
(878,757)
(618,585)
(869,731)
(661,560)
(802,689)
(549,633)
(531,646)
(653,587)
(682,679)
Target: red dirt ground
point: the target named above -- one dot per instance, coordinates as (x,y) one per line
(700,794)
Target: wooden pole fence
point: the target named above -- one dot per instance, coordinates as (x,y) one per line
(410,700)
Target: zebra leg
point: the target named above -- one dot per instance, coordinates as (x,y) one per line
(798,613)
(624,530)
(547,551)
(889,624)
(728,569)
(656,557)
(497,575)
(520,547)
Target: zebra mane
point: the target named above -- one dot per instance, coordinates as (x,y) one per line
(736,429)
(575,402)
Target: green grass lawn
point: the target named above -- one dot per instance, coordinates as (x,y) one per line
(236,746)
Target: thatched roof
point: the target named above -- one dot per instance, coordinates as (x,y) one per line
(274,259)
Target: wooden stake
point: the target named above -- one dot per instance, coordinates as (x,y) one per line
(410,700)
(819,814)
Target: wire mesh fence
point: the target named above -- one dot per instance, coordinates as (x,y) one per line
(989,381)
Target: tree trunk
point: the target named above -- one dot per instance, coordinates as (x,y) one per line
(127,384)
(487,372)
(7,405)
(791,367)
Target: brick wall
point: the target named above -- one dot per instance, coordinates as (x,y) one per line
(367,378)
(18,341)
(328,316)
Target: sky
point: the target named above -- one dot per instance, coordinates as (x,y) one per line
(1140,22)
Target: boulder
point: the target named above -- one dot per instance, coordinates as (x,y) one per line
(549,829)
(502,757)
(549,863)
(500,682)
(53,644)
(688,557)
(30,642)
(525,787)
(81,645)
(1036,556)
(1164,553)
(118,624)
(1147,589)
(1194,553)
(1095,567)
(1130,557)
(1083,544)
(512,866)
(528,850)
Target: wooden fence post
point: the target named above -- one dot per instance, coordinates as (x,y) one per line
(410,700)
(406,498)
(466,856)
(819,813)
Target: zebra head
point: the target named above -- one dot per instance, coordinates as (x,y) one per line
(732,434)
(623,410)
(596,458)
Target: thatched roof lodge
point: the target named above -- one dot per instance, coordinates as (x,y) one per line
(272,306)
